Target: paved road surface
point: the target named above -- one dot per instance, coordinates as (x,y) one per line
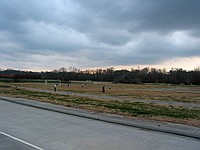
(8,142)
(37,128)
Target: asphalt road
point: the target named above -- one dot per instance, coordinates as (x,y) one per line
(8,142)
(25,128)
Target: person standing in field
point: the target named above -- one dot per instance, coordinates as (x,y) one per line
(55,88)
(103,89)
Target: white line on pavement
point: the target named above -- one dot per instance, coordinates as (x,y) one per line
(36,147)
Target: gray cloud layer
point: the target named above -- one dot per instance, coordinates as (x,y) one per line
(88,33)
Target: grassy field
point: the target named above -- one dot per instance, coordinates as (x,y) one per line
(127,108)
(163,92)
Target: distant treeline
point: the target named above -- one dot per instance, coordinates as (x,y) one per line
(137,76)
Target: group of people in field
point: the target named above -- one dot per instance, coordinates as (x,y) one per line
(103,89)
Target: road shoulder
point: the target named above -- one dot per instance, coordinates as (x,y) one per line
(172,128)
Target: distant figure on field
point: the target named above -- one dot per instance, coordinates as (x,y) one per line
(55,88)
(103,89)
(109,86)
(82,85)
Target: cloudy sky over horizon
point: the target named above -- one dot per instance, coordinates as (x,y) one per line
(49,34)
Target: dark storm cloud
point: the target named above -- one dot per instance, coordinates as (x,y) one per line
(163,15)
(103,32)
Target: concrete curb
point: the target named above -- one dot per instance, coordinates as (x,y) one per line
(172,128)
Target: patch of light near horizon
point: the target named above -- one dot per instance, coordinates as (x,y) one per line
(185,63)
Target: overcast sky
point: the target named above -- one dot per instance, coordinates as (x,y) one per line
(50,34)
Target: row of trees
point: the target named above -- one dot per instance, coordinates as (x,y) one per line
(138,76)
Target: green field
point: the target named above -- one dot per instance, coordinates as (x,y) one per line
(163,92)
(127,108)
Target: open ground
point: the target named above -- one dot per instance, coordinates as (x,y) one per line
(130,100)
